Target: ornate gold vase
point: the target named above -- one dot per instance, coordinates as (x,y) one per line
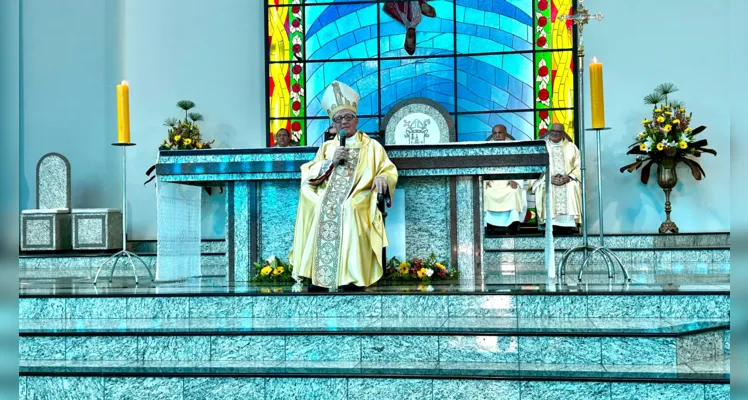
(667,178)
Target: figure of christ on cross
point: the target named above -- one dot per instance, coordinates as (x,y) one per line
(408,13)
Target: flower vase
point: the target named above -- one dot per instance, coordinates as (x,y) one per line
(667,178)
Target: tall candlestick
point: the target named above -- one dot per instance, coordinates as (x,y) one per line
(597,103)
(123,113)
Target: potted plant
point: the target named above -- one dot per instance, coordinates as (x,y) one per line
(182,134)
(666,141)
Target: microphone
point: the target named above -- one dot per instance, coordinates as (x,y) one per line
(342,135)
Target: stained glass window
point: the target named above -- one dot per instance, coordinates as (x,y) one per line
(486,62)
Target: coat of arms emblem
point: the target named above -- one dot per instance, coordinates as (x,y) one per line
(416,130)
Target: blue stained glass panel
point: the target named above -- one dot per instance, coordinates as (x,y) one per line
(434,36)
(477,127)
(493,26)
(333,30)
(497,82)
(432,78)
(361,76)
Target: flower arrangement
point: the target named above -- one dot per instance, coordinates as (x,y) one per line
(668,134)
(185,134)
(273,270)
(418,269)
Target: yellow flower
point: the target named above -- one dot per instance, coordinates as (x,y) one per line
(439,266)
(668,113)
(422,272)
(403,268)
(660,146)
(659,110)
(666,107)
(278,270)
(264,290)
(668,128)
(660,119)
(266,271)
(198,145)
(683,144)
(646,121)
(277,290)
(643,147)
(687,130)
(187,141)
(177,138)
(676,121)
(682,110)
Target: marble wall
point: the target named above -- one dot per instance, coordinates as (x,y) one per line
(62,388)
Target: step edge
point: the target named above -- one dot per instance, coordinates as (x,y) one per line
(719,292)
(365,332)
(620,249)
(696,378)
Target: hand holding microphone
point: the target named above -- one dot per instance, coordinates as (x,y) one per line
(341,154)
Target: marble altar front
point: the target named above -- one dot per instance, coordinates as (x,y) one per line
(441,182)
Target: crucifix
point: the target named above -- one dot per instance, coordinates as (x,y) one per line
(580,18)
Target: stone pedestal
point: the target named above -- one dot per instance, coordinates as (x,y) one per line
(45,230)
(97,229)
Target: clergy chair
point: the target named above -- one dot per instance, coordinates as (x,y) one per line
(54,225)
(48,226)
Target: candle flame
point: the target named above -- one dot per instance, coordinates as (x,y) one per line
(124,83)
(594,60)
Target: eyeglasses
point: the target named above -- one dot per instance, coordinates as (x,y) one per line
(555,131)
(347,117)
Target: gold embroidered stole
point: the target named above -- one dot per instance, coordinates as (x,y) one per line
(330,232)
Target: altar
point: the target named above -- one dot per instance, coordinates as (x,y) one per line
(441,184)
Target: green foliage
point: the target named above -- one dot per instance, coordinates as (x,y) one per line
(677,104)
(185,105)
(666,88)
(171,121)
(654,99)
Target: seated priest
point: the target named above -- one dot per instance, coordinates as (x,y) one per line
(566,189)
(283,138)
(339,232)
(505,202)
(499,133)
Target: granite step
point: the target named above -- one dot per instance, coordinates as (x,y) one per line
(597,272)
(716,256)
(376,380)
(584,301)
(390,346)
(677,241)
(588,327)
(600,276)
(80,265)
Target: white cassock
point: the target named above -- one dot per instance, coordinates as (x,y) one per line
(566,200)
(503,204)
